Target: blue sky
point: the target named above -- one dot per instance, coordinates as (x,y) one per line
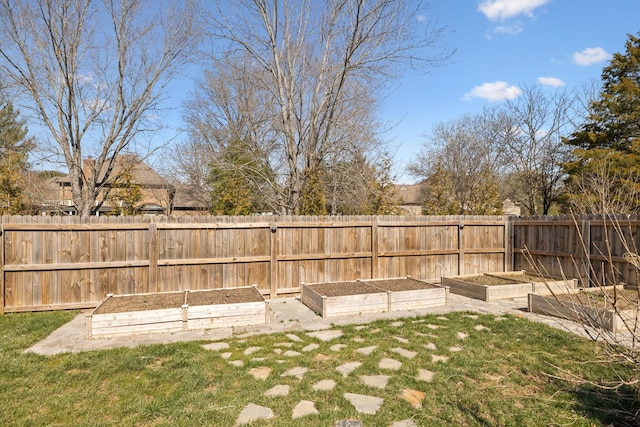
(501,46)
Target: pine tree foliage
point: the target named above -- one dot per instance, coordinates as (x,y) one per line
(610,138)
(14,151)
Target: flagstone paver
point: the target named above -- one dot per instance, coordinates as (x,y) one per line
(348,423)
(253,412)
(377,381)
(367,350)
(216,346)
(390,364)
(311,347)
(402,340)
(226,355)
(435,358)
(321,357)
(295,338)
(304,408)
(434,327)
(462,335)
(277,350)
(261,373)
(278,390)
(363,403)
(297,372)
(404,353)
(251,350)
(404,423)
(396,324)
(481,328)
(413,397)
(326,335)
(283,344)
(292,353)
(348,367)
(236,363)
(258,359)
(337,347)
(455,349)
(358,339)
(472,316)
(324,385)
(425,375)
(430,346)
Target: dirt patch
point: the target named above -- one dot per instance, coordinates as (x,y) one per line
(224,296)
(142,302)
(157,301)
(343,288)
(625,299)
(401,284)
(489,280)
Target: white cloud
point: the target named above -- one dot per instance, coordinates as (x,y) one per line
(590,55)
(503,9)
(510,30)
(421,18)
(495,92)
(551,81)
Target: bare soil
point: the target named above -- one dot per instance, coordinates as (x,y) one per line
(157,301)
(401,284)
(224,296)
(141,302)
(625,299)
(335,289)
(489,280)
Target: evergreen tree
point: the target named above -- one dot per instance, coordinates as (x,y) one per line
(14,152)
(125,195)
(611,132)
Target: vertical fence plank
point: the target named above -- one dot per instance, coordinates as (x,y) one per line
(273,263)
(461,247)
(154,248)
(2,293)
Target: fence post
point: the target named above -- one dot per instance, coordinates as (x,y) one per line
(585,233)
(273,263)
(2,288)
(154,248)
(374,248)
(508,245)
(461,248)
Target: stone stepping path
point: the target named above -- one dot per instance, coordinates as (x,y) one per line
(299,345)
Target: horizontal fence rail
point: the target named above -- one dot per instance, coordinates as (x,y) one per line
(65,262)
(597,250)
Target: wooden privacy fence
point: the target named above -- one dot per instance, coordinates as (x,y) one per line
(596,250)
(63,262)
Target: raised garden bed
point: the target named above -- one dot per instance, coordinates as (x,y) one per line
(512,284)
(372,296)
(343,298)
(541,285)
(407,293)
(592,306)
(177,311)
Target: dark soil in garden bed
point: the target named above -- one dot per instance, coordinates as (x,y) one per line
(124,303)
(401,284)
(162,300)
(343,289)
(489,280)
(625,299)
(224,296)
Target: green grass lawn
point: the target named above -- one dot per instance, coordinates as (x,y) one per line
(508,374)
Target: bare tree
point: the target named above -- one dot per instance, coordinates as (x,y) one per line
(93,73)
(460,164)
(534,149)
(313,59)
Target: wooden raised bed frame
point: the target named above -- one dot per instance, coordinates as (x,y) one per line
(177,311)
(514,284)
(407,293)
(571,309)
(372,296)
(343,298)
